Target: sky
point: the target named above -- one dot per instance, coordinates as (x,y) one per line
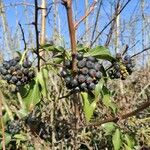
(25,15)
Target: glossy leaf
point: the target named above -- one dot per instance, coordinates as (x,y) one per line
(101,53)
(33,97)
(116,139)
(42,79)
(88,107)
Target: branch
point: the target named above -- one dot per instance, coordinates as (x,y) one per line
(37,32)
(124,116)
(113,24)
(1,122)
(148,48)
(92,42)
(23,36)
(87,13)
(96,21)
(68,6)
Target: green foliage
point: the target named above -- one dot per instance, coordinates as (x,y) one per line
(109,128)
(100,52)
(106,99)
(88,107)
(116,139)
(42,79)
(33,96)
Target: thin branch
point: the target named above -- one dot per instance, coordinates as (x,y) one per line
(37,32)
(2,123)
(146,49)
(113,24)
(23,36)
(87,13)
(92,42)
(124,116)
(96,21)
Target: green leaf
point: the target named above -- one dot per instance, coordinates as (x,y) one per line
(88,107)
(116,139)
(58,59)
(109,128)
(107,100)
(98,88)
(101,53)
(129,141)
(42,79)
(33,97)
(20,137)
(49,47)
(127,147)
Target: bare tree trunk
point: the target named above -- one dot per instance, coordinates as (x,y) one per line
(6,31)
(43,27)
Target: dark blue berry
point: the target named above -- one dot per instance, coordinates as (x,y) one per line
(98,75)
(74,83)
(97,66)
(89,80)
(91,58)
(81,63)
(92,73)
(79,56)
(68,64)
(83,86)
(68,79)
(31,74)
(91,86)
(89,65)
(81,78)
(8,77)
(84,71)
(14,79)
(127,58)
(17,58)
(64,73)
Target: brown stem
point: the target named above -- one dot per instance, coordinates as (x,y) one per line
(68,5)
(124,116)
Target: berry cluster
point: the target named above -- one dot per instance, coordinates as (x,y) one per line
(87,76)
(14,127)
(15,73)
(43,130)
(122,67)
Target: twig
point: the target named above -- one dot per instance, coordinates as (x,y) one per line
(37,32)
(124,116)
(96,21)
(23,36)
(92,42)
(113,24)
(1,121)
(87,13)
(148,48)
